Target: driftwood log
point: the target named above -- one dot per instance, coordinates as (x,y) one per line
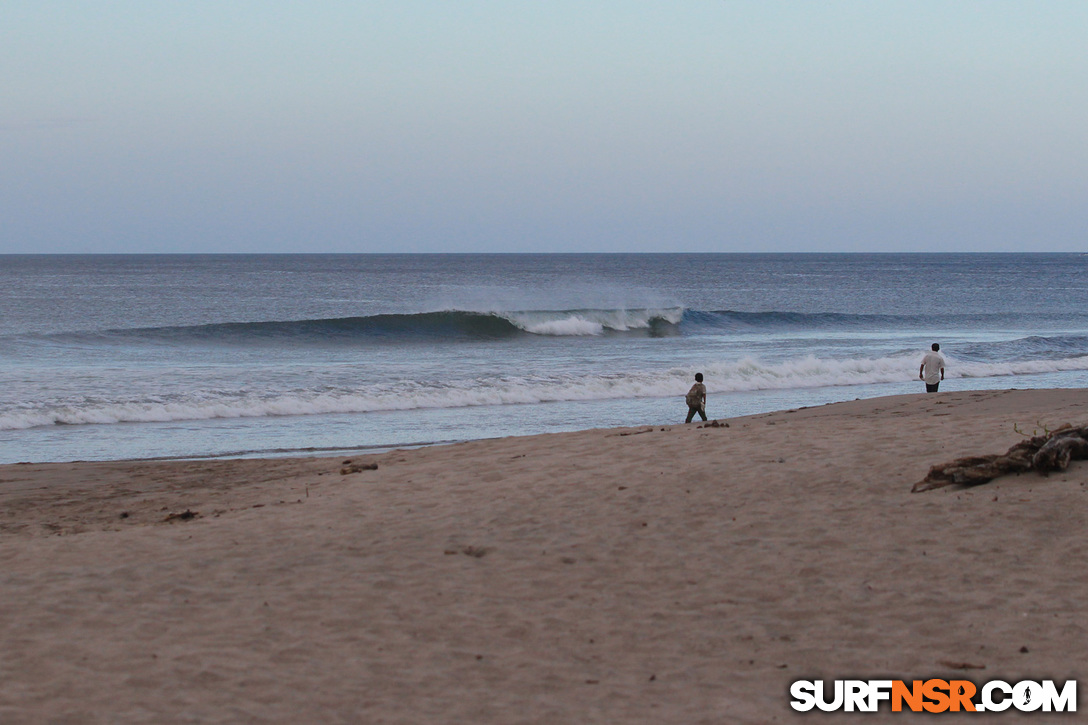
(1043,454)
(350,467)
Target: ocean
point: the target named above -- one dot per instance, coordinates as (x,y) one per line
(167,356)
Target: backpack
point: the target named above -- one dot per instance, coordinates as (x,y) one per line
(694,398)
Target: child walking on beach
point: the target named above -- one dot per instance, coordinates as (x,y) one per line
(696,399)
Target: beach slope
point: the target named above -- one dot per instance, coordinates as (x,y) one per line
(681,574)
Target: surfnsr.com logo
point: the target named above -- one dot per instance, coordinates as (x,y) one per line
(933,696)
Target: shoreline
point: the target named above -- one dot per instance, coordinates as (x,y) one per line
(335,433)
(667,573)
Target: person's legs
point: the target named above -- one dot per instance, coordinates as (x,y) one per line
(691,414)
(932,388)
(702,414)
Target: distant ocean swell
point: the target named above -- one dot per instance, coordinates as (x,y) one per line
(747,374)
(486,326)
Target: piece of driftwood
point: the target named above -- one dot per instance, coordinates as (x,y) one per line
(1063,446)
(357,467)
(186,515)
(1043,454)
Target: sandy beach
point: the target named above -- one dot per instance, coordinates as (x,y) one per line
(676,574)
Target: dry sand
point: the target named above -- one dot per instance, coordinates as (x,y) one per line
(668,575)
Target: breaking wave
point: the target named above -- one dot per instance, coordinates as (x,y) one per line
(745,374)
(469,326)
(428,326)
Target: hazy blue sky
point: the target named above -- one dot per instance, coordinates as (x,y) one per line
(469,125)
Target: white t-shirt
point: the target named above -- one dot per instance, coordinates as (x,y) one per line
(932,364)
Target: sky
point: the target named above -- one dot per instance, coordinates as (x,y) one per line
(515,126)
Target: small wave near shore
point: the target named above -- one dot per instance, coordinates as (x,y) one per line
(745,374)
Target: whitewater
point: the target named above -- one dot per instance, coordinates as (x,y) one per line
(200,356)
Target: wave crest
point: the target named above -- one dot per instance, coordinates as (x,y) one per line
(595,322)
(427,326)
(464,325)
(746,374)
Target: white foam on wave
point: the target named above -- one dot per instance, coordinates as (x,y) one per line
(746,374)
(590,322)
(573,325)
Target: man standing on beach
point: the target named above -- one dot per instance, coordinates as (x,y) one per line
(932,369)
(696,399)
